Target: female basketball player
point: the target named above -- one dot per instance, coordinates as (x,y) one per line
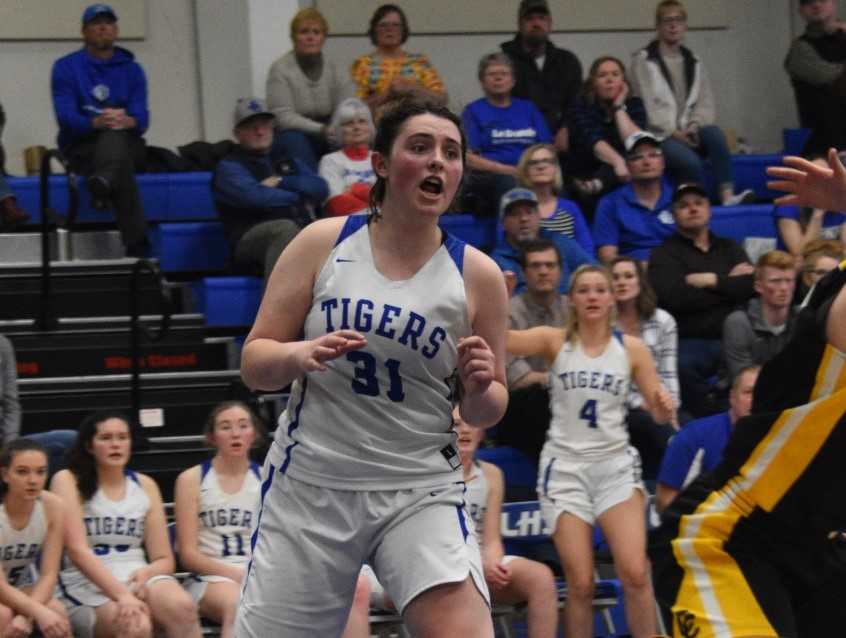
(377,320)
(588,471)
(113,516)
(30,526)
(216,505)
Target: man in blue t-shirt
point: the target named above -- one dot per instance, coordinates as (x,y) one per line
(699,446)
(100,99)
(520,219)
(499,128)
(637,217)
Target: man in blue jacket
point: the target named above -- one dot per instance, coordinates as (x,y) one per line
(100,99)
(263,196)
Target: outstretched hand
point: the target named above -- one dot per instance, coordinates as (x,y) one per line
(475,365)
(315,353)
(809,184)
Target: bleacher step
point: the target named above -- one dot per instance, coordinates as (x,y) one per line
(25,248)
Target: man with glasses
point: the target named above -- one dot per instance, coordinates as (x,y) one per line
(636,217)
(679,101)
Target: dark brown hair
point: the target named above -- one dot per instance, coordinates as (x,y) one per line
(380,13)
(647,300)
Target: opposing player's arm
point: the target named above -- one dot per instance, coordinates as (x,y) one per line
(186,511)
(51,549)
(481,357)
(543,341)
(76,545)
(274,353)
(658,400)
(664,495)
(156,538)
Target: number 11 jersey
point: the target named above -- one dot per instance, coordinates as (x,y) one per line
(588,402)
(380,417)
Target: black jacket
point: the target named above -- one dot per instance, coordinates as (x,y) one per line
(553,88)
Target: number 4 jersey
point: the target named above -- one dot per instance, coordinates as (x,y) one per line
(588,402)
(380,417)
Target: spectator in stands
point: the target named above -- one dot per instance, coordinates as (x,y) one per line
(699,446)
(264,197)
(526,420)
(117,541)
(816,64)
(11,214)
(304,88)
(700,279)
(349,172)
(756,333)
(797,226)
(520,219)
(636,217)
(100,99)
(544,74)
(388,65)
(601,118)
(55,442)
(540,171)
(32,520)
(639,316)
(819,257)
(499,128)
(679,101)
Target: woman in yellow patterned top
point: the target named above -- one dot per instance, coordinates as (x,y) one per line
(388,65)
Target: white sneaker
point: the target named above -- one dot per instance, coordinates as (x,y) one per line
(746,197)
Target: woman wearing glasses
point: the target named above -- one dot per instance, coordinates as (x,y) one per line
(388,65)
(679,102)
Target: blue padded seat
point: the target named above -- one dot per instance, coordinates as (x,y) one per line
(228,301)
(190,246)
(476,231)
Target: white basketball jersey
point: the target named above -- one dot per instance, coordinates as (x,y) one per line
(115,531)
(226,520)
(380,417)
(20,548)
(476,499)
(588,402)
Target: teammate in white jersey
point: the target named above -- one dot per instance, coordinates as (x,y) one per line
(216,506)
(376,320)
(588,471)
(117,579)
(30,533)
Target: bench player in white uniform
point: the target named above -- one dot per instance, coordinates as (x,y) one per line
(116,542)
(374,320)
(30,531)
(215,507)
(588,471)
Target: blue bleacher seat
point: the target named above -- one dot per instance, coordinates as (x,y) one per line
(476,231)
(228,301)
(795,139)
(190,246)
(516,466)
(752,226)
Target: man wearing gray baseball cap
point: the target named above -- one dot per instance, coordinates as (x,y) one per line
(263,196)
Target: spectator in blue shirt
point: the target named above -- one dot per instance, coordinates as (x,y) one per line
(520,219)
(638,216)
(540,171)
(100,99)
(699,446)
(264,197)
(499,128)
(601,119)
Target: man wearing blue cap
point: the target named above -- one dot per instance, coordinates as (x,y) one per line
(100,99)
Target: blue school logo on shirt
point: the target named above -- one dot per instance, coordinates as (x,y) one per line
(100,92)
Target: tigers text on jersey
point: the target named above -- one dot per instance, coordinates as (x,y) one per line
(380,416)
(588,402)
(19,548)
(226,520)
(115,531)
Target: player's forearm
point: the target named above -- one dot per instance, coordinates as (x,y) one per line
(267,364)
(486,408)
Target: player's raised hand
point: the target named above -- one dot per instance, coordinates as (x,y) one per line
(315,353)
(809,184)
(475,364)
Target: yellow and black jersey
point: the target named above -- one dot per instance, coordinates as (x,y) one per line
(744,549)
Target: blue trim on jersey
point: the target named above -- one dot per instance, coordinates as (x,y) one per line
(546,474)
(618,335)
(353,223)
(204,469)
(462,522)
(256,468)
(455,248)
(131,474)
(66,594)
(295,422)
(271,470)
